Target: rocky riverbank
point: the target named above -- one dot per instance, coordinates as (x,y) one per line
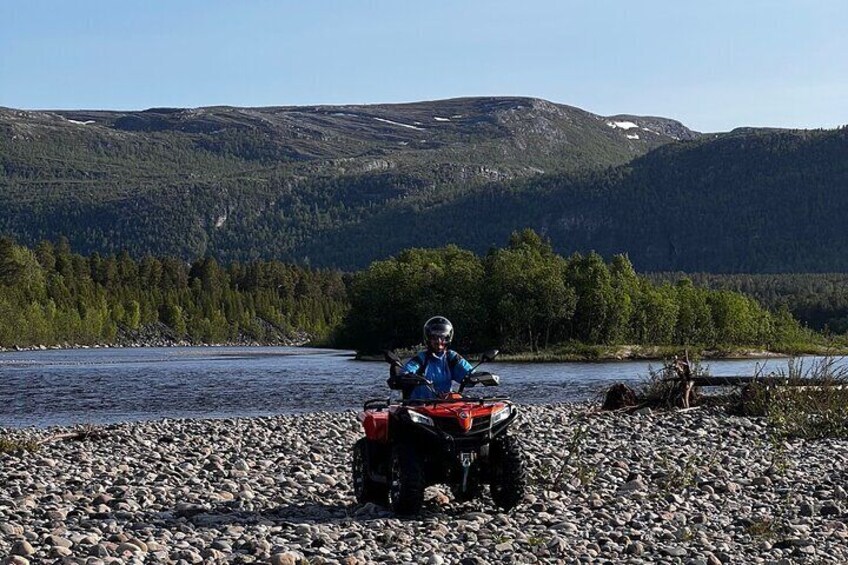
(158,335)
(685,487)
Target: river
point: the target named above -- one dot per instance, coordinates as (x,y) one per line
(101,386)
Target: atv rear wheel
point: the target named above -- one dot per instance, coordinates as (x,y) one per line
(508,478)
(364,489)
(406,481)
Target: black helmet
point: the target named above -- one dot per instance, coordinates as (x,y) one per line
(438,326)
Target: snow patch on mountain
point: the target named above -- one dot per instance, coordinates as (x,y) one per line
(622,125)
(399,124)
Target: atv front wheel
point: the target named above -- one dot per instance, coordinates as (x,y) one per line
(406,481)
(364,489)
(508,478)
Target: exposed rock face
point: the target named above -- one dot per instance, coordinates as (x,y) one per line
(160,335)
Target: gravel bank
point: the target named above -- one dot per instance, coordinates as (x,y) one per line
(692,487)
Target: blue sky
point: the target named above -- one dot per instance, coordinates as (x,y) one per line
(713,65)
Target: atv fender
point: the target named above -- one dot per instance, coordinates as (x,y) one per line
(376,425)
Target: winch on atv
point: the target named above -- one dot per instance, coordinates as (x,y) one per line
(456,440)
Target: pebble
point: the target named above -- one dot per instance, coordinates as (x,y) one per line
(22,548)
(691,487)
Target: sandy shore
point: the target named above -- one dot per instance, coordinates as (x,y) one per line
(691,487)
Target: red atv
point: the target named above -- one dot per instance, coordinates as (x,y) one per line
(457,440)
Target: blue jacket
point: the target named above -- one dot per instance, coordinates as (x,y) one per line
(438,370)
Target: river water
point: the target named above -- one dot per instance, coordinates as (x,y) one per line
(100,386)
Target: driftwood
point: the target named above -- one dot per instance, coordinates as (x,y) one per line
(679,387)
(688,383)
(686,390)
(619,396)
(70,436)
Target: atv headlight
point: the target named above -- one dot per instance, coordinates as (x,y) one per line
(420,418)
(501,415)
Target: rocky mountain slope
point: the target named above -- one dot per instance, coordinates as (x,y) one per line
(246,182)
(344,185)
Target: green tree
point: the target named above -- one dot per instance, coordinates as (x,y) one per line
(526,292)
(595,316)
(694,319)
(656,316)
(391,300)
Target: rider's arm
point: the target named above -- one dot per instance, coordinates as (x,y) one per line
(412,365)
(461,369)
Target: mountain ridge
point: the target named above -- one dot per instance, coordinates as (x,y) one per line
(292,170)
(343,185)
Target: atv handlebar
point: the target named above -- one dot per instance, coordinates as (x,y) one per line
(409,380)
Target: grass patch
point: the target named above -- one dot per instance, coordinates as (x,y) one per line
(584,473)
(680,474)
(812,402)
(9,445)
(575,351)
(763,528)
(566,352)
(535,541)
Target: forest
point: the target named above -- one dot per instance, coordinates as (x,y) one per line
(523,297)
(52,296)
(746,202)
(818,300)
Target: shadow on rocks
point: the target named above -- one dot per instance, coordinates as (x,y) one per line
(208,515)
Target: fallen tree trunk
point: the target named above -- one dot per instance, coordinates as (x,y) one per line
(736,380)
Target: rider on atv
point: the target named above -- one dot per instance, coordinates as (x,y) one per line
(438,364)
(434,436)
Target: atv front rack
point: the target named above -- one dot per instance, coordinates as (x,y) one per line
(377,404)
(470,400)
(383,403)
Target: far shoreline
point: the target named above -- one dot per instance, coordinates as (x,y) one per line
(625,353)
(568,354)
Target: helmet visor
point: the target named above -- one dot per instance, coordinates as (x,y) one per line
(439,330)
